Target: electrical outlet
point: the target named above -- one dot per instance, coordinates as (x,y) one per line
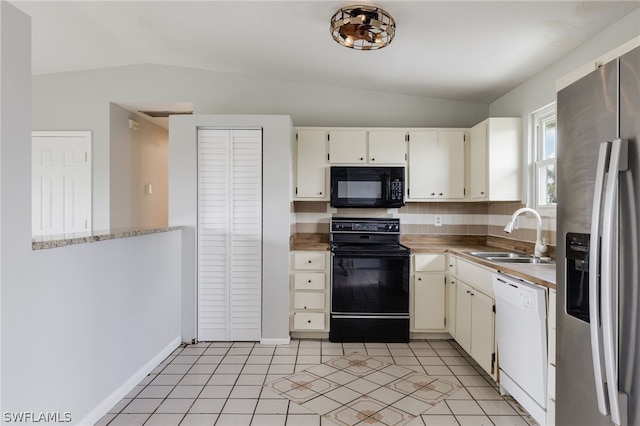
(438,220)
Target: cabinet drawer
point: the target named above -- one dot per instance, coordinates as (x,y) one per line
(309,281)
(309,260)
(429,262)
(308,321)
(477,276)
(308,300)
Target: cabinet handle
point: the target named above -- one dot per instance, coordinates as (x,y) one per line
(441,194)
(419,279)
(468,292)
(373,159)
(361,158)
(433,193)
(481,192)
(309,281)
(308,261)
(308,321)
(320,193)
(305,307)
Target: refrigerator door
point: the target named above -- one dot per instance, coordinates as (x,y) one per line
(587,116)
(629,219)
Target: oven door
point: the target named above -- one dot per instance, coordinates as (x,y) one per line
(373,284)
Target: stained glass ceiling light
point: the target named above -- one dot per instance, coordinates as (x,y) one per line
(362,27)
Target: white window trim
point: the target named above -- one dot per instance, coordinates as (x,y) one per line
(534,150)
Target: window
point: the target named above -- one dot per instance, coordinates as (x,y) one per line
(543,150)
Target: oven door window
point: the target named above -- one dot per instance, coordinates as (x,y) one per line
(370,285)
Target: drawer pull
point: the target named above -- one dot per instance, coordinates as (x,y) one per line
(419,279)
(309,281)
(308,261)
(308,321)
(305,307)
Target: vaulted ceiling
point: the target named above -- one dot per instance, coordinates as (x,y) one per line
(463,50)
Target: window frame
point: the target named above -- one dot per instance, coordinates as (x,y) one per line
(537,161)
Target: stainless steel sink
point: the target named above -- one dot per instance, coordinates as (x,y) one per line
(496,254)
(508,257)
(530,259)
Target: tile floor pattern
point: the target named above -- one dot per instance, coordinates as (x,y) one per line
(223,383)
(357,388)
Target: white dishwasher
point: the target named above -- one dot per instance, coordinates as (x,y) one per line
(521,323)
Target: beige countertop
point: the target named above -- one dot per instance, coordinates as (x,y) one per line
(542,274)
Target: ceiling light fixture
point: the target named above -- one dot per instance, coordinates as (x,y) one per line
(362,27)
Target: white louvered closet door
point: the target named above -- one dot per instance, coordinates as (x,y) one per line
(229,234)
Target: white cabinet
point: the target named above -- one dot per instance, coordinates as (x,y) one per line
(229,234)
(387,147)
(309,289)
(360,146)
(495,160)
(475,325)
(436,165)
(451,294)
(429,299)
(311,165)
(347,146)
(475,312)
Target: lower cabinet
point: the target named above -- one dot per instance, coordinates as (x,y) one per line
(309,291)
(475,316)
(428,293)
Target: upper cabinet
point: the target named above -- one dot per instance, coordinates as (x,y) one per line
(347,146)
(367,147)
(495,160)
(436,165)
(311,165)
(387,147)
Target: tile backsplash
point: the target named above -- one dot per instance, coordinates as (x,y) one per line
(462,218)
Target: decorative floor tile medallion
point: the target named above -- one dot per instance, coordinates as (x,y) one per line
(365,390)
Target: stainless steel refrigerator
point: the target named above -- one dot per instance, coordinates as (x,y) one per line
(598,184)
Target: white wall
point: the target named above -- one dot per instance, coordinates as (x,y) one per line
(541,89)
(137,158)
(276,184)
(80,101)
(77,322)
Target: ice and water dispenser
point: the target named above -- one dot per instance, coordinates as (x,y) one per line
(577,275)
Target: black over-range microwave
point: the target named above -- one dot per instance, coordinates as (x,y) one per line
(361,186)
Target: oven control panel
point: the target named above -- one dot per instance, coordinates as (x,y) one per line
(377,226)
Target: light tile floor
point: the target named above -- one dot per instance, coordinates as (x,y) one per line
(221,383)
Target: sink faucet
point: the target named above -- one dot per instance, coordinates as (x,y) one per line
(540,247)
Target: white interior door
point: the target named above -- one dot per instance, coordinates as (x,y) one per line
(229,234)
(61,182)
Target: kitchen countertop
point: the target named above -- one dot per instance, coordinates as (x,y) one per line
(542,274)
(53,241)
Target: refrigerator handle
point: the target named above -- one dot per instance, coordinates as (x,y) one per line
(617,162)
(594,278)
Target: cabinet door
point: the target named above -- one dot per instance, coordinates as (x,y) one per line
(424,166)
(436,165)
(482,331)
(463,315)
(451,306)
(311,164)
(347,146)
(387,147)
(429,301)
(451,156)
(478,161)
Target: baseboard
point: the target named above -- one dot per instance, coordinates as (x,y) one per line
(283,341)
(103,408)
